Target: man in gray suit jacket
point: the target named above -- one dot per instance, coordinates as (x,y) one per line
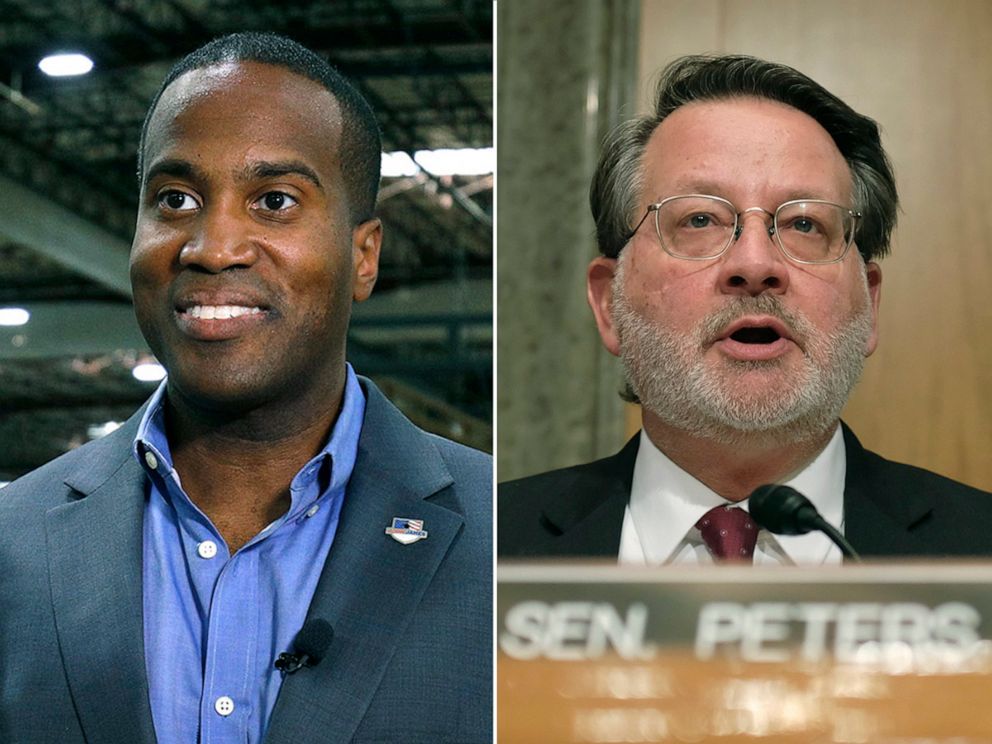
(152,578)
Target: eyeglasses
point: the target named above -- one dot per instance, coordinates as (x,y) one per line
(699,227)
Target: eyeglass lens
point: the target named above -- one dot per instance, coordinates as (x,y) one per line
(702,227)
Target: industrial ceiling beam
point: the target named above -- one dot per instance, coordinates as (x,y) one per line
(64,236)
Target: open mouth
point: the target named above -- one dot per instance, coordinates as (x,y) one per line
(756,335)
(756,338)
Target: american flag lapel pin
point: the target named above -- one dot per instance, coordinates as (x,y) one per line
(406,531)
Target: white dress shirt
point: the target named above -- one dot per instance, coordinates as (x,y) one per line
(666,502)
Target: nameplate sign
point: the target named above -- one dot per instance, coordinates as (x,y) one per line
(875,653)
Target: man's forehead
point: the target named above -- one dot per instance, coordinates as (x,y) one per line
(243,74)
(747,136)
(282,103)
(203,81)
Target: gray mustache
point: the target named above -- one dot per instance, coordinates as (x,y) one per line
(763,304)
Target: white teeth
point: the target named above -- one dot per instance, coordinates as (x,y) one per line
(220,312)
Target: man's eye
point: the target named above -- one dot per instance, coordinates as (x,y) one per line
(702,220)
(275,201)
(177,201)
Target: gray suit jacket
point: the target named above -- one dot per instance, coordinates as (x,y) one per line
(412,652)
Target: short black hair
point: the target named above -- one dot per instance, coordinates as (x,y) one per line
(361,143)
(618,179)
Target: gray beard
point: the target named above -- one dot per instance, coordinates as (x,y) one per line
(667,372)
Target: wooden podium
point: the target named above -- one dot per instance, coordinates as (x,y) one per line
(871,654)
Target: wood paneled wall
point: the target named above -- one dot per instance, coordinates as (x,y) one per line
(923,70)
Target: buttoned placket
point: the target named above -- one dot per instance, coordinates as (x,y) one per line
(227,585)
(201,604)
(231,636)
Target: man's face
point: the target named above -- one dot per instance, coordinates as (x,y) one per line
(245,262)
(750,341)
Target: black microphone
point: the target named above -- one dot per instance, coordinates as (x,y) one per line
(785,511)
(310,645)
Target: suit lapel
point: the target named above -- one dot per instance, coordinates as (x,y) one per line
(585,516)
(880,510)
(95,557)
(370,584)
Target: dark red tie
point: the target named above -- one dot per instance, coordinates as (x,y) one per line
(729,533)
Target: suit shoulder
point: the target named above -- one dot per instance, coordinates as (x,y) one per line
(462,455)
(530,492)
(88,465)
(912,478)
(539,482)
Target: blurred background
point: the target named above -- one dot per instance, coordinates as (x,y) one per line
(569,70)
(73,365)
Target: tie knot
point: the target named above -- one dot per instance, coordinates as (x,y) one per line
(729,533)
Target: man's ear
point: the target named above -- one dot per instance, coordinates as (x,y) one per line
(874,274)
(366,239)
(599,292)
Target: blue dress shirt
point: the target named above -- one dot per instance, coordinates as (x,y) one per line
(214,623)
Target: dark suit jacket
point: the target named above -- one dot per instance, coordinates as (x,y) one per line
(412,652)
(890,509)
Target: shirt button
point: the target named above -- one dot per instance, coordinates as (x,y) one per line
(151,460)
(208,549)
(224,706)
(313,510)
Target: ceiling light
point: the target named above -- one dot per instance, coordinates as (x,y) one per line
(148,372)
(396,164)
(462,162)
(465,161)
(14,316)
(64,65)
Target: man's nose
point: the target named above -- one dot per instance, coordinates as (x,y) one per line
(754,264)
(223,239)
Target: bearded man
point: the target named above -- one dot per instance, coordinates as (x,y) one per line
(739,225)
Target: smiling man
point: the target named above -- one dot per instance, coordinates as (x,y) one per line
(740,225)
(153,578)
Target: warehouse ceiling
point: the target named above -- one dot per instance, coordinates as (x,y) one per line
(67,176)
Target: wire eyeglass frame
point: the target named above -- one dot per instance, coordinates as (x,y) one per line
(735,233)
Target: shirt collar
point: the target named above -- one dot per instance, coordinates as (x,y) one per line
(666,501)
(151,445)
(150,437)
(342,446)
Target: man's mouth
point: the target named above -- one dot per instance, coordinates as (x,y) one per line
(219,318)
(756,335)
(755,338)
(220,312)
(756,329)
